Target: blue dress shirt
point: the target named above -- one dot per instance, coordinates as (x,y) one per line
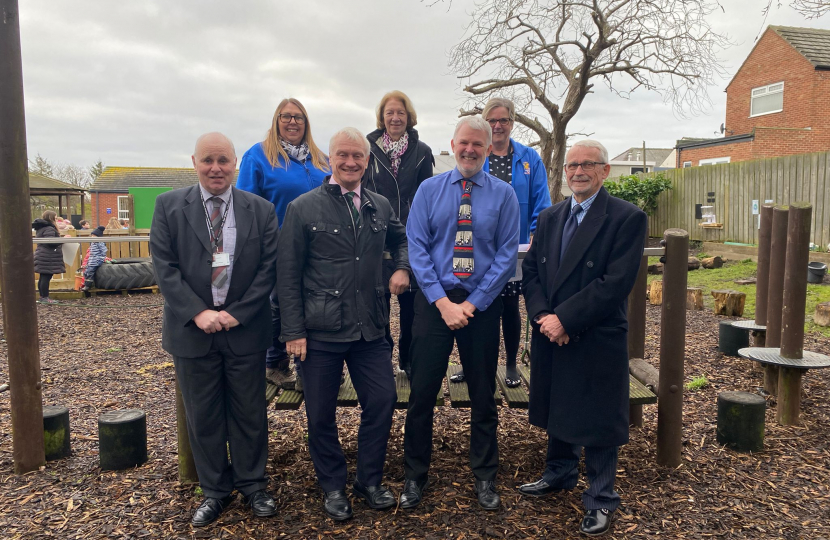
(431,228)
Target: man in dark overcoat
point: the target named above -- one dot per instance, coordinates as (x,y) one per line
(576,279)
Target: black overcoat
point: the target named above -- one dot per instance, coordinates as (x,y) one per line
(579,391)
(48,257)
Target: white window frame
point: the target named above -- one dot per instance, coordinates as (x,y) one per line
(123,213)
(687,164)
(715,161)
(631,169)
(767,90)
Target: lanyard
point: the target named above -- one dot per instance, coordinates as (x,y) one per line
(216,237)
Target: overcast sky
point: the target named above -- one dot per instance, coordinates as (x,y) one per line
(134,83)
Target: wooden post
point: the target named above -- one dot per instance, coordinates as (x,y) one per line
(16,254)
(672,348)
(131,225)
(792,317)
(637,313)
(775,290)
(762,281)
(187,467)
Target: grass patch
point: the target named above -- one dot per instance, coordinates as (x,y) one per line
(113,349)
(724,278)
(697,383)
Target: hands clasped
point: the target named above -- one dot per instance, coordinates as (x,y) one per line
(456,316)
(211,321)
(552,328)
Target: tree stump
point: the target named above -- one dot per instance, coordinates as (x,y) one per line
(655,293)
(729,303)
(656,268)
(731,338)
(741,421)
(711,262)
(122,439)
(694,263)
(56,432)
(822,316)
(694,298)
(645,373)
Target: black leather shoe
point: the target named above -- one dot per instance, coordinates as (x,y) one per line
(539,488)
(210,509)
(458,377)
(596,522)
(262,503)
(377,497)
(337,505)
(487,496)
(412,494)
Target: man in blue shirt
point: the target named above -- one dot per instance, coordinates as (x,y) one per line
(463,233)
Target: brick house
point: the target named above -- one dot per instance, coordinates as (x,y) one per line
(109,192)
(631,161)
(777,104)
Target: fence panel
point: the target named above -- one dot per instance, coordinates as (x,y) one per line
(783,180)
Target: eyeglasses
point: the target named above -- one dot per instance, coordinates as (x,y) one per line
(287,118)
(502,121)
(587,166)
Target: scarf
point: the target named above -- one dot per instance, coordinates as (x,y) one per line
(395,149)
(299,152)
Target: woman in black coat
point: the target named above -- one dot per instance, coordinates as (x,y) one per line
(398,163)
(48,257)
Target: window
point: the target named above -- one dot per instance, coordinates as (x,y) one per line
(767,99)
(635,170)
(687,164)
(715,161)
(123,209)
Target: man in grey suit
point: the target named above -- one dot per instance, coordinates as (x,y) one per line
(214,253)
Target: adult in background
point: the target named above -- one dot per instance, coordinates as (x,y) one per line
(522,168)
(576,277)
(463,235)
(48,257)
(279,169)
(113,224)
(331,286)
(398,163)
(95,257)
(214,253)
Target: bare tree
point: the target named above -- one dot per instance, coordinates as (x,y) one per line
(546,55)
(73,174)
(811,9)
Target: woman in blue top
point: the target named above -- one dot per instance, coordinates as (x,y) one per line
(279,169)
(522,168)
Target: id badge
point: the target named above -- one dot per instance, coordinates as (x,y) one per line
(221,259)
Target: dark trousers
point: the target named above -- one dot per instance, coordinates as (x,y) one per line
(43,285)
(223,399)
(89,273)
(276,356)
(511,327)
(478,349)
(406,308)
(600,468)
(370,367)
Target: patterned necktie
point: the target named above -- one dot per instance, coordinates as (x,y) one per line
(220,273)
(350,201)
(569,230)
(462,253)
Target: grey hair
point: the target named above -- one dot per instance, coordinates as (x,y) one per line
(214,134)
(352,134)
(590,143)
(495,103)
(477,123)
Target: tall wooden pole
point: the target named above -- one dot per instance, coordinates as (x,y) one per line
(672,348)
(637,330)
(792,317)
(762,283)
(775,291)
(16,254)
(187,467)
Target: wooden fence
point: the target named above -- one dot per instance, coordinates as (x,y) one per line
(731,189)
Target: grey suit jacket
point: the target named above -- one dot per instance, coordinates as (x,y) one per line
(180,246)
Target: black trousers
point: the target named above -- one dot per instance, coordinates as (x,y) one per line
(406,305)
(370,367)
(600,468)
(223,399)
(43,285)
(276,355)
(478,349)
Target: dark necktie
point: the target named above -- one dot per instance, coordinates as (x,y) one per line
(350,201)
(220,273)
(568,231)
(462,253)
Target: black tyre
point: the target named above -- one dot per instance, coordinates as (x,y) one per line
(125,276)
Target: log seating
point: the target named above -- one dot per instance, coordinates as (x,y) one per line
(729,303)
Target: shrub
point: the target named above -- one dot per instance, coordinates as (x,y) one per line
(641,191)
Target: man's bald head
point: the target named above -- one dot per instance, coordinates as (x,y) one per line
(214,159)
